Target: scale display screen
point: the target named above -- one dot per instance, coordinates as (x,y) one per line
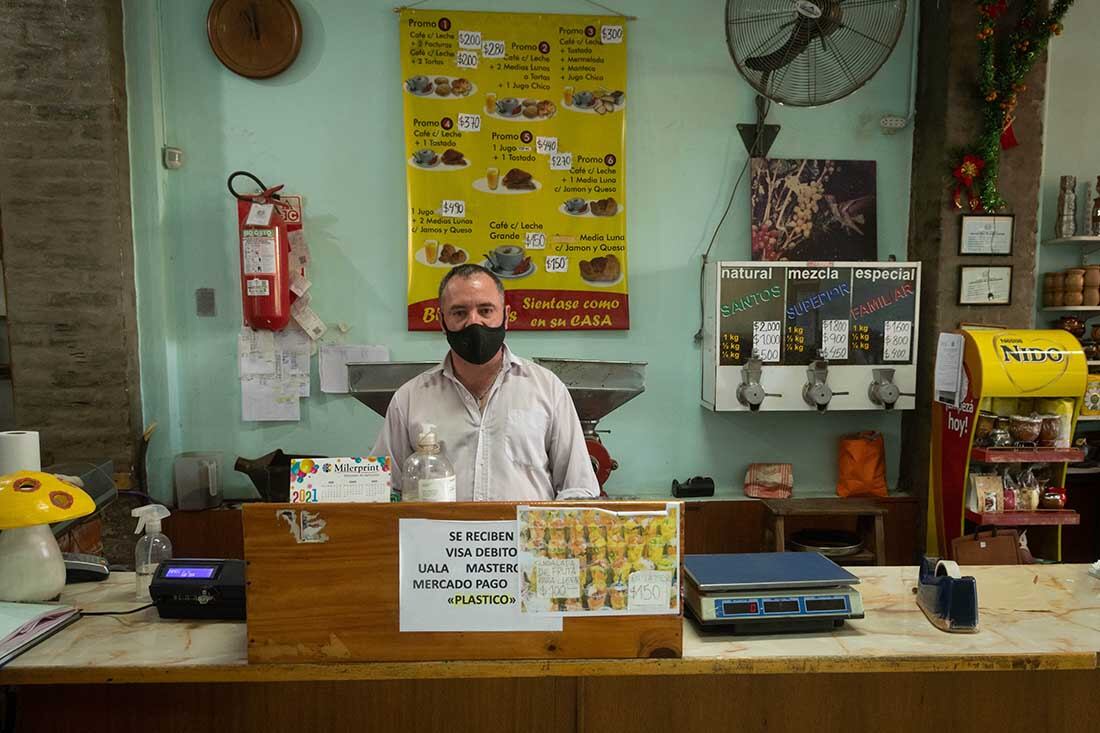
(190,572)
(826,604)
(736,608)
(781,606)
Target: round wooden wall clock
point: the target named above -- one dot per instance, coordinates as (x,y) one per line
(254,38)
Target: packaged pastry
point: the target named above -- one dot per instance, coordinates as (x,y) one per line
(618,596)
(986,493)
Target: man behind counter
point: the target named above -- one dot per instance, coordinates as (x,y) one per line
(507,425)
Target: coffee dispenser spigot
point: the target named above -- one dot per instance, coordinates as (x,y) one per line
(816,392)
(882,390)
(750,392)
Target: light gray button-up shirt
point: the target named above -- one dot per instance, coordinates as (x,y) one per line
(526,446)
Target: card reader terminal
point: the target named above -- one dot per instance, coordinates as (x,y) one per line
(199,588)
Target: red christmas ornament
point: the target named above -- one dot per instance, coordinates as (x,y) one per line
(968,170)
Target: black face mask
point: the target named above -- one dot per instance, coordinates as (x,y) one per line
(476,343)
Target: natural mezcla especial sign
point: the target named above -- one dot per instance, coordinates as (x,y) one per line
(462,576)
(515,160)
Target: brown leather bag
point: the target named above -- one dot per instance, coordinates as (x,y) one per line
(992,547)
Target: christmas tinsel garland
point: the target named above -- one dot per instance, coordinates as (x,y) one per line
(1000,81)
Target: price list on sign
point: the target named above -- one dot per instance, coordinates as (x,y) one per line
(898,338)
(765,340)
(730,349)
(515,160)
(861,337)
(795,340)
(834,339)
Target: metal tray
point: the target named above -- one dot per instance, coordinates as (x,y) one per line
(829,542)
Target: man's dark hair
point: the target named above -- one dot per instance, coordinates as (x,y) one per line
(467,271)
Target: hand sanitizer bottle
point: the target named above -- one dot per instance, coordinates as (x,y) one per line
(152,549)
(428,475)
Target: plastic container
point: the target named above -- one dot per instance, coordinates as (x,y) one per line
(152,549)
(428,474)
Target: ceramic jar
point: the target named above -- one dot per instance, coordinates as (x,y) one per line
(1073,297)
(1073,324)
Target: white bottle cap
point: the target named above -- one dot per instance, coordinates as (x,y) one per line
(428,438)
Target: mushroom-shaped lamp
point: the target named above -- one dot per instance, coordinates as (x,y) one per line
(31,566)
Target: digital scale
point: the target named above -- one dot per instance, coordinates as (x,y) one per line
(193,588)
(770,592)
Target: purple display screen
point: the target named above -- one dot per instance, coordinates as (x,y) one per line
(189,572)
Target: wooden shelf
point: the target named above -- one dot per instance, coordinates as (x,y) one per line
(1083,239)
(1094,362)
(1088,418)
(1042,517)
(1071,471)
(1072,308)
(1027,455)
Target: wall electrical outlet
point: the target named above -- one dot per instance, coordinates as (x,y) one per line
(892,123)
(173,158)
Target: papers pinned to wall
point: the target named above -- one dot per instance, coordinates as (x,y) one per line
(275,373)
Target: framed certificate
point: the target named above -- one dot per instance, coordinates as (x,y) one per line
(985,285)
(986,234)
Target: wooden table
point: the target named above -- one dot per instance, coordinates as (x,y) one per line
(1033,666)
(869,518)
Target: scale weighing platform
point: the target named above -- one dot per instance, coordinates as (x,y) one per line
(770,592)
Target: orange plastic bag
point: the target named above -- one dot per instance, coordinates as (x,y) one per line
(862,465)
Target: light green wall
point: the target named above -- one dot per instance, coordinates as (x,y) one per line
(1070,145)
(331,128)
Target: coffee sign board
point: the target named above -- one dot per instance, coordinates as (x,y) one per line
(515,159)
(857,316)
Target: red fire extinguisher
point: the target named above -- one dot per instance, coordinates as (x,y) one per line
(265,269)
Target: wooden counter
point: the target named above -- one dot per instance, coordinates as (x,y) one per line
(1040,629)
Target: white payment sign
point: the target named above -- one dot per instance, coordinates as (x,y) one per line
(534,240)
(463,576)
(765,340)
(834,339)
(897,338)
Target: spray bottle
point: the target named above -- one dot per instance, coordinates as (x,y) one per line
(152,549)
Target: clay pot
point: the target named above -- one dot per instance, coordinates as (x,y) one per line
(1048,281)
(1073,324)
(1048,298)
(1025,429)
(1091,296)
(1092,276)
(1075,280)
(1058,280)
(1096,333)
(1073,298)
(1057,299)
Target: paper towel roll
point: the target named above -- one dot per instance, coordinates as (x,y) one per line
(19,451)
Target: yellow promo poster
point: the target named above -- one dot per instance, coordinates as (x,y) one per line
(515,160)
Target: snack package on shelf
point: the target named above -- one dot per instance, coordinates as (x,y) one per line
(986,493)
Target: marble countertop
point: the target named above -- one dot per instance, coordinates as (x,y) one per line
(1032,617)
